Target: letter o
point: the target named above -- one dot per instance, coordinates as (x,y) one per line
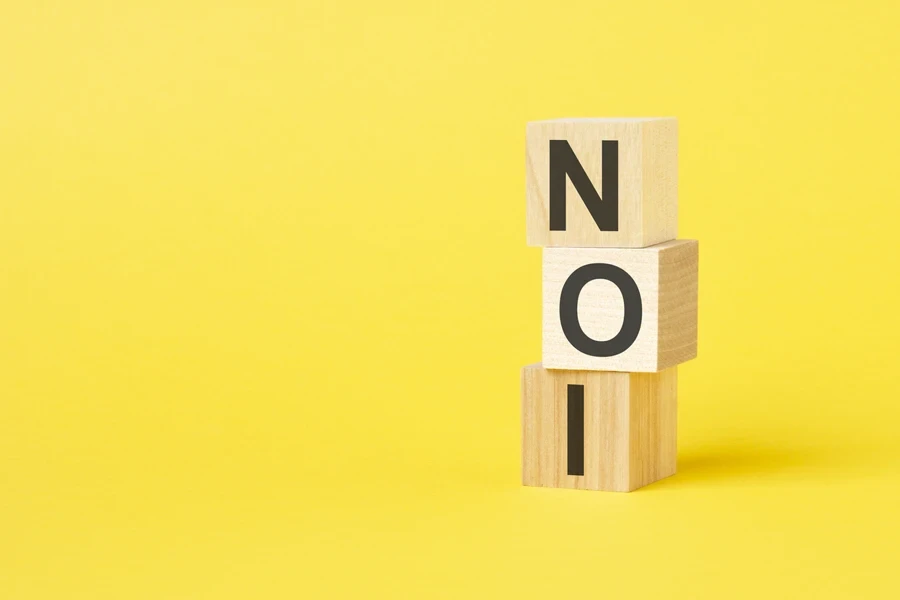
(568,310)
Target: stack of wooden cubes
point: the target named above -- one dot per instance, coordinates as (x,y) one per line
(619,303)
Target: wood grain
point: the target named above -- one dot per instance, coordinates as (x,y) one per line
(629,428)
(648,181)
(667,278)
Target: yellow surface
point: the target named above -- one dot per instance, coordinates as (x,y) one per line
(265,295)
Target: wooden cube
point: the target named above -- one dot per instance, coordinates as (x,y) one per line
(620,309)
(602,182)
(597,430)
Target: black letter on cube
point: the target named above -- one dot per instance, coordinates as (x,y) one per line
(563,162)
(575,426)
(568,310)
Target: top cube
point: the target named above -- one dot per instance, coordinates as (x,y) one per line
(602,182)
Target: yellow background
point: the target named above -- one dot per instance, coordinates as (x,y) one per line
(265,295)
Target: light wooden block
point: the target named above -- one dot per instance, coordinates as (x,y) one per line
(606,337)
(645,181)
(627,430)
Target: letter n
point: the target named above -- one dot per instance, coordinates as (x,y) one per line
(563,162)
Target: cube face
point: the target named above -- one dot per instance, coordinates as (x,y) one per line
(631,163)
(612,309)
(622,437)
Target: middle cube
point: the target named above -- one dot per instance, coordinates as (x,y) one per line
(617,309)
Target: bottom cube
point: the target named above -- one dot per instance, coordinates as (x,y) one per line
(597,430)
